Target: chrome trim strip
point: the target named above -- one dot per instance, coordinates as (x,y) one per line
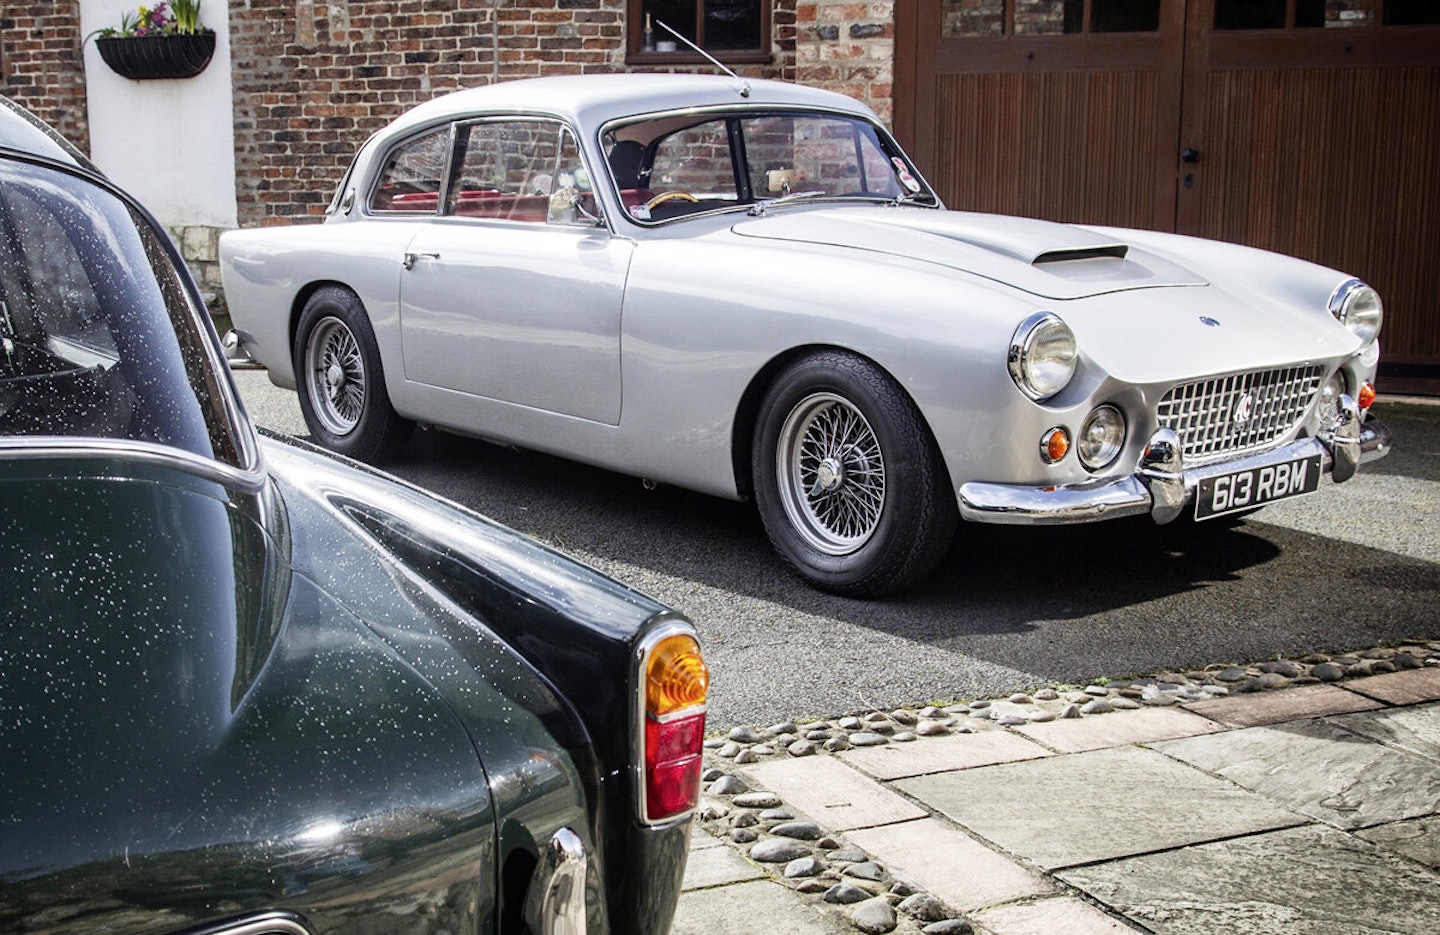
(1160,486)
(272,922)
(31,448)
(555,902)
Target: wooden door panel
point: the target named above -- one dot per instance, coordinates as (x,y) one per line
(1068,146)
(1322,143)
(1336,166)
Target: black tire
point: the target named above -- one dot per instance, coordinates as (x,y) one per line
(848,480)
(340,380)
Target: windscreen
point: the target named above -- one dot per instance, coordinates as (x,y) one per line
(673,165)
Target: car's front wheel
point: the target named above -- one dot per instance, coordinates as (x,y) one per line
(848,480)
(341,384)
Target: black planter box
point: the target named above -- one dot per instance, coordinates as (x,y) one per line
(145,57)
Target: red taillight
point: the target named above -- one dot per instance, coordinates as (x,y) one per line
(672,765)
(676,684)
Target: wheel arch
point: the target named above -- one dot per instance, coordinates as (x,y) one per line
(747,411)
(302,298)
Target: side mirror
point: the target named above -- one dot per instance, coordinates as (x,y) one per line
(571,206)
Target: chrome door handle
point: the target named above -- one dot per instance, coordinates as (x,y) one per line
(410,258)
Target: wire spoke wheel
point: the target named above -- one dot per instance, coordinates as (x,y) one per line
(335,376)
(847,477)
(831,474)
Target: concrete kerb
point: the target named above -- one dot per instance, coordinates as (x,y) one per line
(858,820)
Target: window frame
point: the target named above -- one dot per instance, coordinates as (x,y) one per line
(635,54)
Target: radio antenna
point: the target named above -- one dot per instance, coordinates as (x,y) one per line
(744,85)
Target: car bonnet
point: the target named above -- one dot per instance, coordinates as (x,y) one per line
(1046,259)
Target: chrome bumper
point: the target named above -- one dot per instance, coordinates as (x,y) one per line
(1161,486)
(555,903)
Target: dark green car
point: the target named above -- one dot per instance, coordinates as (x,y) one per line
(248,687)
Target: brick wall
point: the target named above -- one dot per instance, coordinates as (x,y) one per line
(40,64)
(848,47)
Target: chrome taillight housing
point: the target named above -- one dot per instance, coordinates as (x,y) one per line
(674,683)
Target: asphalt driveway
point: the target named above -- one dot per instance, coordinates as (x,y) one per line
(1354,566)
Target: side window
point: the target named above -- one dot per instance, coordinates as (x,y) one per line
(66,308)
(413,173)
(97,335)
(518,170)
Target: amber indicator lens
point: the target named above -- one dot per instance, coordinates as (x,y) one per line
(676,677)
(1366,398)
(1054,446)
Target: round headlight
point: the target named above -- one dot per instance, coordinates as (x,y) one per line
(1102,435)
(1358,308)
(1042,355)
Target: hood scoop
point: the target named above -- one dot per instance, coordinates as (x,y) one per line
(1113,251)
(1044,258)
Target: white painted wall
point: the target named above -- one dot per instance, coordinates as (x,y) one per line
(170,143)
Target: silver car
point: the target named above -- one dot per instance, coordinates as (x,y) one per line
(747,289)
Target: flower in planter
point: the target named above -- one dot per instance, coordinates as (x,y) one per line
(166,18)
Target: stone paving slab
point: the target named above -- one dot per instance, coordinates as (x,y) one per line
(941,754)
(712,862)
(1319,769)
(1418,839)
(1414,686)
(1415,730)
(748,908)
(1099,805)
(1301,701)
(1310,880)
(831,793)
(1058,915)
(1096,732)
(950,864)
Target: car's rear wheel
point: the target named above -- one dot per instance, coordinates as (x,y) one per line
(848,480)
(341,383)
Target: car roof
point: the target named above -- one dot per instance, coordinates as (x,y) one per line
(590,101)
(23,132)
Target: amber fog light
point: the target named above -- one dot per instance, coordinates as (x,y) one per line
(676,684)
(1101,437)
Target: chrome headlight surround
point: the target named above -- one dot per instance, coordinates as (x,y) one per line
(1101,437)
(1358,307)
(1043,355)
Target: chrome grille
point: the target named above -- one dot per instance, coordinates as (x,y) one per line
(1230,415)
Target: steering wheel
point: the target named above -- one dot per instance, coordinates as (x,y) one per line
(663,197)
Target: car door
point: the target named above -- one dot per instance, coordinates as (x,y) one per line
(514,292)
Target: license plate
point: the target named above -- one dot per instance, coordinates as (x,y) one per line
(1245,490)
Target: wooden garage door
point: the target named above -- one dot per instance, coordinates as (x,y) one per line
(1311,127)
